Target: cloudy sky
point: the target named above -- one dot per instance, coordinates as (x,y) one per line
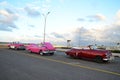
(81,21)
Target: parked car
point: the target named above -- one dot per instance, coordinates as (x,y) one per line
(91,54)
(16,46)
(44,48)
(30,45)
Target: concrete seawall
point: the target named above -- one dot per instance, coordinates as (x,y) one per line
(3,46)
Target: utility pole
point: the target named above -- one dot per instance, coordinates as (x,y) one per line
(45,18)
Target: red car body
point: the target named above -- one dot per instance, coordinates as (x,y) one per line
(44,48)
(92,54)
(16,46)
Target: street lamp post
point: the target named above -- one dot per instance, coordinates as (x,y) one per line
(68,43)
(45,16)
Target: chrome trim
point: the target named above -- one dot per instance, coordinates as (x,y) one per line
(110,58)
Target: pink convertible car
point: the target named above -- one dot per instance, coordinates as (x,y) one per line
(44,48)
(16,46)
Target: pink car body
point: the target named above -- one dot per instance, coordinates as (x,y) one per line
(16,46)
(44,48)
(30,45)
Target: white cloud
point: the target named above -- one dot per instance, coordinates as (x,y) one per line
(4,3)
(8,16)
(62,1)
(100,17)
(93,18)
(32,11)
(48,1)
(96,17)
(118,15)
(82,36)
(7,19)
(57,35)
(81,19)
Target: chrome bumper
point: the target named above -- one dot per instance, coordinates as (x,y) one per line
(48,52)
(108,59)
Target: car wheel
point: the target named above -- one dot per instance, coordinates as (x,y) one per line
(41,53)
(71,56)
(29,51)
(9,48)
(51,53)
(98,59)
(105,61)
(16,48)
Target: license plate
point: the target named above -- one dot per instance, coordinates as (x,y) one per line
(12,46)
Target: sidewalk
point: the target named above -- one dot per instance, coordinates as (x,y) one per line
(116,54)
(63,50)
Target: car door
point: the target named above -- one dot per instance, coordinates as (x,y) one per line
(73,52)
(86,53)
(79,53)
(34,49)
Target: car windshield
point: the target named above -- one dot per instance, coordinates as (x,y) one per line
(16,43)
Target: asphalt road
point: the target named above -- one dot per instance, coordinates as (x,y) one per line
(21,65)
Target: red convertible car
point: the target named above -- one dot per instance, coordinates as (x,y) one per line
(44,48)
(92,54)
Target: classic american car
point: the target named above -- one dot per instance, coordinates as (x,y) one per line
(91,54)
(31,45)
(16,46)
(44,48)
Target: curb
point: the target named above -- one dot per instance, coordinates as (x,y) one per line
(62,50)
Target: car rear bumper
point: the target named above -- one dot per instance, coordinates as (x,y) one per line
(14,47)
